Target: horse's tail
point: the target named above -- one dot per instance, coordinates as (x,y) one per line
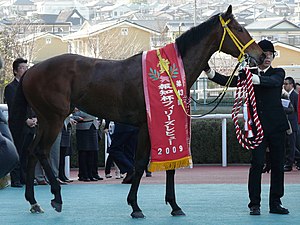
(17,116)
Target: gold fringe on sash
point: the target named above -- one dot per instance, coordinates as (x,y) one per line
(170,165)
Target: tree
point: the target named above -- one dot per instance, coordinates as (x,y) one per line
(13,44)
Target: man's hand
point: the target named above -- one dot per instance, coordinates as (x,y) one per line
(242,74)
(210,73)
(31,122)
(206,68)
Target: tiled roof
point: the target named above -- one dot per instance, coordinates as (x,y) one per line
(272,23)
(23,2)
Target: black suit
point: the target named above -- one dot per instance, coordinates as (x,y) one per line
(9,94)
(123,146)
(274,124)
(22,143)
(291,138)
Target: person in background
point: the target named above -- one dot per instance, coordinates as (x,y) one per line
(53,161)
(122,148)
(9,157)
(289,85)
(268,82)
(87,146)
(65,146)
(297,89)
(18,175)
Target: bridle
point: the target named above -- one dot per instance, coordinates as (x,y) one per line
(235,40)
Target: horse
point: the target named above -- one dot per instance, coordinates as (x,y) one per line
(113,89)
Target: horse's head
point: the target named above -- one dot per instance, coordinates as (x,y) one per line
(236,41)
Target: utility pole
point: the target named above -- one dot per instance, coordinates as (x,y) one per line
(195,6)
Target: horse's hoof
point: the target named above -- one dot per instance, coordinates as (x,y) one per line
(137,215)
(177,212)
(56,206)
(36,208)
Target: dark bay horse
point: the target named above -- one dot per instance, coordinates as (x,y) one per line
(113,89)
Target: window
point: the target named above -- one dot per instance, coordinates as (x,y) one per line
(124,31)
(48,40)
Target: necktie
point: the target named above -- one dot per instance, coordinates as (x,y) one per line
(262,73)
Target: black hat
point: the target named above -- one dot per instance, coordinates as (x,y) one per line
(266,46)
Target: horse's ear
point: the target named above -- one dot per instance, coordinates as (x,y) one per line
(228,12)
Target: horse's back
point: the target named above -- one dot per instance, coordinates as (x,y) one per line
(97,86)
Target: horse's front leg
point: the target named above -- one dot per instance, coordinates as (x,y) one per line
(170,194)
(132,196)
(141,161)
(29,191)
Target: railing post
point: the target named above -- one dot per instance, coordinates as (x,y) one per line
(224,144)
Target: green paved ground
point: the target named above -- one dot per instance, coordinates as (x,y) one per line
(106,204)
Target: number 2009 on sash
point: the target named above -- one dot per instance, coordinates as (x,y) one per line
(169,150)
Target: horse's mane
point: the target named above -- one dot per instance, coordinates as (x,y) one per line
(194,35)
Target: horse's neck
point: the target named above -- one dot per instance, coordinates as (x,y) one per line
(196,59)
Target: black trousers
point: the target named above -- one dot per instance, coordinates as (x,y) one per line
(275,143)
(291,148)
(122,150)
(88,164)
(109,163)
(18,174)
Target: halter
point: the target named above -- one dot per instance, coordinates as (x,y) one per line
(235,40)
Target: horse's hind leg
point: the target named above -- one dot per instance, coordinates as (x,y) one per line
(141,161)
(29,191)
(49,135)
(170,194)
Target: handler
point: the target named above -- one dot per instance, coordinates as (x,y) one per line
(267,88)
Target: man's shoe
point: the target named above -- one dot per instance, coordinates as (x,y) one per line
(93,179)
(98,177)
(148,174)
(298,167)
(84,179)
(255,210)
(278,209)
(61,182)
(41,182)
(16,184)
(288,168)
(108,175)
(128,179)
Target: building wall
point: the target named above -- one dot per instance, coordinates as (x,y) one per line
(117,43)
(286,57)
(45,49)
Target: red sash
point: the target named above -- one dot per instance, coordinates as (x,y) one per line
(169,126)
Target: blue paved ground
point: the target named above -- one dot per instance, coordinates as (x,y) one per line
(106,204)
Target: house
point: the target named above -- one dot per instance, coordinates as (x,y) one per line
(288,57)
(70,15)
(25,27)
(114,11)
(41,46)
(275,29)
(55,7)
(173,29)
(22,7)
(111,39)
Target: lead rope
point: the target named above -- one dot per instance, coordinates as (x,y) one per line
(245,91)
